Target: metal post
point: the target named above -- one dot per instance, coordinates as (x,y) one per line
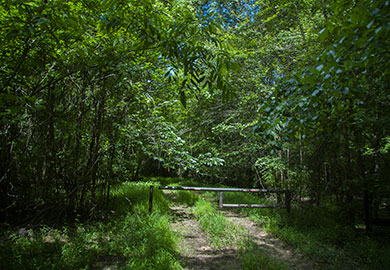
(221,200)
(151,199)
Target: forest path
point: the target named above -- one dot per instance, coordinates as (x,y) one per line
(271,245)
(196,252)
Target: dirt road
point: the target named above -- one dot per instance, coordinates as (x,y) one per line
(196,252)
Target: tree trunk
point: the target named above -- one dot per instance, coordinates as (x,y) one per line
(94,147)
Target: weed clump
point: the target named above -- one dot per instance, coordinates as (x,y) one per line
(212,223)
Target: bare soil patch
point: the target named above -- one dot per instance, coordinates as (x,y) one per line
(271,245)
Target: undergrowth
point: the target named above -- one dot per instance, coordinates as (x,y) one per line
(329,243)
(132,239)
(320,234)
(317,232)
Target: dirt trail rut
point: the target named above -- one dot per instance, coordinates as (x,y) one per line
(196,253)
(268,243)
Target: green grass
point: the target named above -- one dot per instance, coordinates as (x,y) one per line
(320,234)
(212,223)
(254,258)
(185,197)
(222,233)
(131,239)
(134,197)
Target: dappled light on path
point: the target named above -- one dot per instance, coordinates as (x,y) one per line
(268,243)
(196,253)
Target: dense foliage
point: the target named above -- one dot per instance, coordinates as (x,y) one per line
(86,101)
(285,94)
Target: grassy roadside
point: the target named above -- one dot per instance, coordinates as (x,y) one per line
(329,243)
(129,239)
(320,234)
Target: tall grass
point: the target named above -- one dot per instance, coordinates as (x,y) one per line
(318,233)
(213,224)
(131,239)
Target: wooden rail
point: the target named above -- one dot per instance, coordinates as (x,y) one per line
(287,193)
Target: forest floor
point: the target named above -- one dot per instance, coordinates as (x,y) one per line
(196,252)
(187,231)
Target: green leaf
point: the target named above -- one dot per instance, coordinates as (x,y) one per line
(320,67)
(323,33)
(374,12)
(370,24)
(378,30)
(315,92)
(42,21)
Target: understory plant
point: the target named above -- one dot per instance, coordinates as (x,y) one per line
(130,239)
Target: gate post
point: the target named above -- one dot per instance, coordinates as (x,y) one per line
(221,200)
(151,199)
